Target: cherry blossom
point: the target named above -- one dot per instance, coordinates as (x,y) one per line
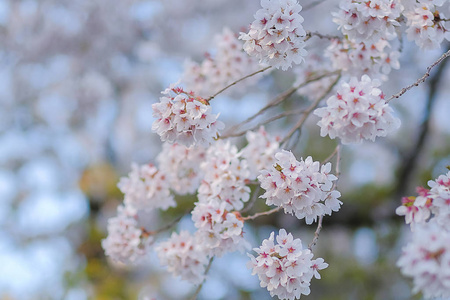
(260,150)
(126,242)
(426,258)
(225,176)
(183,256)
(358,111)
(440,193)
(424,23)
(413,212)
(146,188)
(219,231)
(368,21)
(303,188)
(184,118)
(357,59)
(285,268)
(227,65)
(430,204)
(182,166)
(277,36)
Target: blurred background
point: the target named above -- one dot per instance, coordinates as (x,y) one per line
(77,80)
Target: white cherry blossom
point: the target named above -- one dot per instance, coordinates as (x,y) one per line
(358,111)
(184,256)
(126,242)
(182,166)
(146,188)
(277,36)
(302,188)
(285,268)
(185,118)
(426,258)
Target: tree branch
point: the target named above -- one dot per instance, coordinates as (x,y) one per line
(274,118)
(337,152)
(235,82)
(277,100)
(316,233)
(421,79)
(310,34)
(264,213)
(410,160)
(308,111)
(199,288)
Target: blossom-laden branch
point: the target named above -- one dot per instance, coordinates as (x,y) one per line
(199,288)
(421,79)
(237,81)
(306,113)
(277,100)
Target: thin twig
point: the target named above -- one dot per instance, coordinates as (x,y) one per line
(277,100)
(252,200)
(316,233)
(310,34)
(338,161)
(274,118)
(235,82)
(421,79)
(411,157)
(199,288)
(167,227)
(336,152)
(308,111)
(331,155)
(264,213)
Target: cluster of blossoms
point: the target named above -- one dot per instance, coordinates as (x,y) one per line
(220,174)
(427,260)
(356,59)
(225,176)
(182,166)
(146,188)
(276,37)
(126,243)
(369,20)
(260,151)
(434,201)
(300,187)
(219,231)
(184,118)
(229,64)
(357,111)
(184,256)
(285,268)
(425,23)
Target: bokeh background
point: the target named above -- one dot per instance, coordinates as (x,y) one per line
(77,80)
